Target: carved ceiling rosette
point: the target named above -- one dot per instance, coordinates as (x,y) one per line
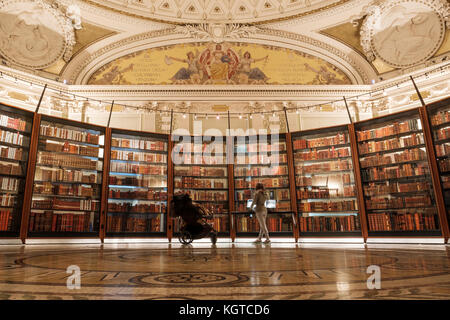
(35,34)
(403,33)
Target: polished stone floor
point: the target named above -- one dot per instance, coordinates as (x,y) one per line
(225,271)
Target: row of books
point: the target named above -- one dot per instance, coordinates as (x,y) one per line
(215,208)
(325,193)
(134,223)
(146,181)
(139,144)
(324,167)
(329,224)
(401,171)
(64,133)
(338,180)
(200,171)
(442,134)
(191,182)
(13,123)
(77,190)
(66,147)
(220,224)
(397,127)
(340,138)
(280,206)
(148,194)
(11,153)
(48,221)
(7,200)
(205,148)
(273,158)
(261,171)
(261,146)
(445,182)
(65,175)
(279,194)
(6,219)
(398,203)
(204,195)
(347,205)
(376,189)
(198,159)
(9,184)
(138,168)
(65,204)
(149,170)
(159,207)
(440,117)
(391,144)
(274,224)
(444,165)
(402,222)
(404,156)
(323,154)
(138,156)
(442,150)
(62,160)
(13,137)
(10,169)
(280,182)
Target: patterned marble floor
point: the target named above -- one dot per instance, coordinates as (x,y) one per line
(225,271)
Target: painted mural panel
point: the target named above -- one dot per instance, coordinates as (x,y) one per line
(213,63)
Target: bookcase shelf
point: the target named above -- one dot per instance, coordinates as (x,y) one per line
(15,132)
(67,181)
(262,159)
(202,172)
(137,186)
(325,182)
(397,185)
(439,117)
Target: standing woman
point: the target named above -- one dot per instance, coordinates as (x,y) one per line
(259,200)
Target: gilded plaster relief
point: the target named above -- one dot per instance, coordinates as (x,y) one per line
(35,34)
(403,33)
(213,63)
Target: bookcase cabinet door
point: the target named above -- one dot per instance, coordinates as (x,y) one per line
(15,135)
(396,177)
(138,185)
(325,183)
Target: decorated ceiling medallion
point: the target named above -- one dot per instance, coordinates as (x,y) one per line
(403,33)
(35,34)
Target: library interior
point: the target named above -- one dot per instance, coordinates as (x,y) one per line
(121,122)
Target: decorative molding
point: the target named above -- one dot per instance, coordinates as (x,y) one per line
(388,31)
(36,34)
(217,32)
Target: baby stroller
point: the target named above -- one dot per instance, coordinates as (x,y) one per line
(194,225)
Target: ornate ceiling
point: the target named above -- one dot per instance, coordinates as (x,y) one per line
(226,11)
(317,42)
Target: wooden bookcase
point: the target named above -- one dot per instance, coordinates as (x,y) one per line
(137,185)
(76,180)
(200,169)
(325,183)
(68,172)
(398,190)
(262,159)
(15,138)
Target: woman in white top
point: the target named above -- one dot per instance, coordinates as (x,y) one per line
(258,203)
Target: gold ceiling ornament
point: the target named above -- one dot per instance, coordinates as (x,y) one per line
(404,33)
(216,32)
(36,34)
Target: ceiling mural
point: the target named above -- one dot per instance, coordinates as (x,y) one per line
(219,64)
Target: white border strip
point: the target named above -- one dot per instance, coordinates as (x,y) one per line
(10,241)
(407,240)
(63,241)
(331,240)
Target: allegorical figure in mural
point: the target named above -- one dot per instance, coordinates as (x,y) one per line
(324,76)
(192,74)
(247,74)
(113,76)
(220,65)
